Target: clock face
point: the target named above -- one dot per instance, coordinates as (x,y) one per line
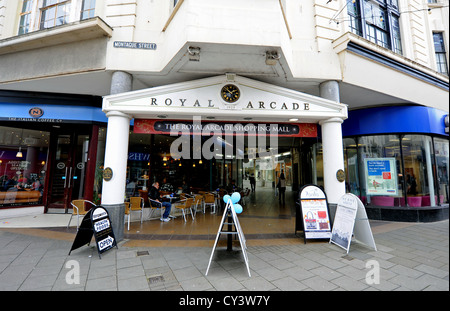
(230,93)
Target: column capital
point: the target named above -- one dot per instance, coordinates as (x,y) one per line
(331,120)
(118,114)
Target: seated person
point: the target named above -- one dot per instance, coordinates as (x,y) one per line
(167,187)
(184,188)
(154,195)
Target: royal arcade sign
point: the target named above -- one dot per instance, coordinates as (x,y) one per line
(227,98)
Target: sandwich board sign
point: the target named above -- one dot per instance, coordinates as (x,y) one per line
(351,219)
(96,222)
(230,213)
(314,212)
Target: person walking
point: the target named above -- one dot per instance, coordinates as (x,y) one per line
(281,188)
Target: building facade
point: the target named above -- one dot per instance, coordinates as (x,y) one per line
(91,84)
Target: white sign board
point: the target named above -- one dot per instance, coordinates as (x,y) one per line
(229,211)
(314,207)
(351,219)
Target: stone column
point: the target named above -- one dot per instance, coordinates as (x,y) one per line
(116,157)
(333,152)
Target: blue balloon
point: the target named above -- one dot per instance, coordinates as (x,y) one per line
(238,208)
(235,197)
(226,197)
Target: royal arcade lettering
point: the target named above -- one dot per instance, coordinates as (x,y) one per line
(209,103)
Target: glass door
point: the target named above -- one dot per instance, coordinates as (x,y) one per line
(67,170)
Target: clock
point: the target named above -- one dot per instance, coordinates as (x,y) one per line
(230,93)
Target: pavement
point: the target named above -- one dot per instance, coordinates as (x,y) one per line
(409,257)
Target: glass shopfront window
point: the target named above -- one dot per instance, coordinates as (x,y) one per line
(441,153)
(397,170)
(23,163)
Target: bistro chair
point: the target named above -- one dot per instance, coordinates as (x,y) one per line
(137,205)
(185,204)
(154,205)
(209,200)
(79,209)
(198,200)
(128,213)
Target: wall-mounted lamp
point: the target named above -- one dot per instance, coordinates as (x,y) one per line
(272,58)
(194,53)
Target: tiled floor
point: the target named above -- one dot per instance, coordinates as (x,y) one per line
(263,220)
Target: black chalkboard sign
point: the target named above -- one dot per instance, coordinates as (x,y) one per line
(96,222)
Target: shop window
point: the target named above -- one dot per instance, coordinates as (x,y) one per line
(397,170)
(441,152)
(417,156)
(380,170)
(351,166)
(23,163)
(98,179)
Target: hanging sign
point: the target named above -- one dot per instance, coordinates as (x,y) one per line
(96,222)
(314,213)
(351,219)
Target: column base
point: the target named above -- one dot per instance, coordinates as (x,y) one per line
(116,216)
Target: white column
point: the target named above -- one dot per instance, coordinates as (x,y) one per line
(333,158)
(116,156)
(332,144)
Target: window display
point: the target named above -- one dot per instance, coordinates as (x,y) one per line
(23,161)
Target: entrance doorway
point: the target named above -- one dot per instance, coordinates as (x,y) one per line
(68,163)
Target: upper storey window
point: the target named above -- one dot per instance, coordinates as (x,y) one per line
(54,13)
(43,14)
(88,9)
(377,21)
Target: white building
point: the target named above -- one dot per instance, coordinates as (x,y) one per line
(363,68)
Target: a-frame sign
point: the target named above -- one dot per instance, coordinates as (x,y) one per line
(351,220)
(96,222)
(313,216)
(229,214)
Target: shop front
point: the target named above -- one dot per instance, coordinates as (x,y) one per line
(396,160)
(48,151)
(219,132)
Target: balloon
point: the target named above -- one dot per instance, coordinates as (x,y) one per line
(226,197)
(235,197)
(238,208)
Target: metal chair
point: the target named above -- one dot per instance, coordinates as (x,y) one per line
(209,200)
(185,204)
(155,205)
(79,209)
(137,204)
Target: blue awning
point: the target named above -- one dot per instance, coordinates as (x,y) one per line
(395,119)
(51,113)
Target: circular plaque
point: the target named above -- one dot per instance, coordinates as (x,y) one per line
(107,174)
(340,175)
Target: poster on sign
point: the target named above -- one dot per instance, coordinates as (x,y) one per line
(314,213)
(351,220)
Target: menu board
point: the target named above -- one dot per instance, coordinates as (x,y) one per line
(314,212)
(96,222)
